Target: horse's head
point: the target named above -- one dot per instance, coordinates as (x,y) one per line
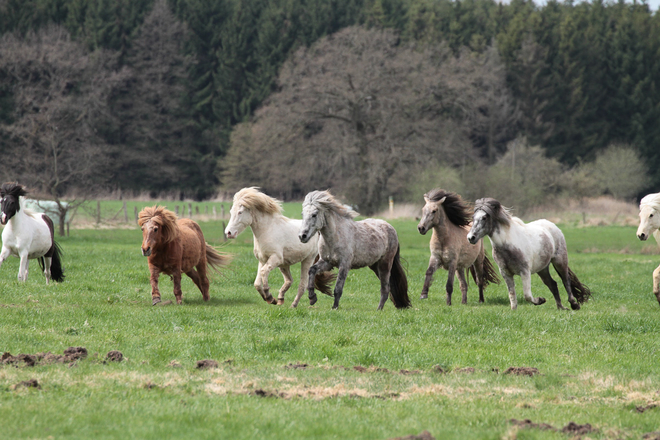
(431,214)
(312,221)
(649,218)
(240,218)
(10,203)
(159,227)
(485,220)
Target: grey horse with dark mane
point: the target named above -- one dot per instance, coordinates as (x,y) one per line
(449,217)
(525,248)
(349,244)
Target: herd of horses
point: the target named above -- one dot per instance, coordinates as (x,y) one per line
(328,237)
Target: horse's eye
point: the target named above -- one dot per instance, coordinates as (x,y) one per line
(155,229)
(650,215)
(313,215)
(434,211)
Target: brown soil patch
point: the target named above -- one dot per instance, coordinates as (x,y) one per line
(641,409)
(206,364)
(424,435)
(652,435)
(32,383)
(529,424)
(75,353)
(114,356)
(522,371)
(294,366)
(174,364)
(438,369)
(409,372)
(575,429)
(264,393)
(71,354)
(466,370)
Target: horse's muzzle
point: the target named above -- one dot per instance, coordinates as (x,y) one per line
(304,237)
(472,239)
(642,236)
(146,252)
(3,219)
(422,230)
(230,235)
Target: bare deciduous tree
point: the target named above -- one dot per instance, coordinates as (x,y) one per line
(59,95)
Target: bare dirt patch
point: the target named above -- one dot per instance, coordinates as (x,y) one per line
(70,355)
(114,356)
(652,435)
(522,371)
(641,409)
(206,364)
(466,370)
(572,428)
(424,435)
(300,366)
(32,383)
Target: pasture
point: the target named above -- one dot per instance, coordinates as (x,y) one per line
(291,373)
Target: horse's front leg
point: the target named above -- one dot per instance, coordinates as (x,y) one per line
(319,266)
(176,280)
(339,286)
(433,266)
(656,283)
(526,278)
(4,254)
(153,279)
(288,280)
(23,267)
(463,285)
(450,281)
(511,286)
(272,262)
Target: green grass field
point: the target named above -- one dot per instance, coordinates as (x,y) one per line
(596,365)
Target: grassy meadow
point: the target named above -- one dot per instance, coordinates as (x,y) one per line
(290,373)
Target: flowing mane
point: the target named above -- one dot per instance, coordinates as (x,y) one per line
(495,209)
(254,199)
(12,189)
(458,212)
(325,201)
(651,200)
(164,218)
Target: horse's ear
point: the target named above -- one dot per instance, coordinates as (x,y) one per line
(442,200)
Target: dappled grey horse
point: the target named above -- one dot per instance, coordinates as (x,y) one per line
(347,244)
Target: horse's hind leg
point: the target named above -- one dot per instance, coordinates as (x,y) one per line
(433,266)
(479,272)
(463,285)
(656,283)
(199,282)
(288,280)
(339,286)
(382,271)
(552,285)
(47,262)
(560,263)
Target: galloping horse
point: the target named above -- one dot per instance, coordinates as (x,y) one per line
(28,235)
(523,249)
(276,243)
(649,222)
(175,247)
(347,244)
(449,217)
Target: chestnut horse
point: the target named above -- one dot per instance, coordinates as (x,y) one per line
(175,247)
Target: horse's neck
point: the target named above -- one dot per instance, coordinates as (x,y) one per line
(329,229)
(19,220)
(441,227)
(506,234)
(262,223)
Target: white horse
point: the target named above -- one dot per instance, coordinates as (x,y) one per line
(649,223)
(276,243)
(28,235)
(348,244)
(525,248)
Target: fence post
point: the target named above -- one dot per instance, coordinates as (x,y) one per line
(125,213)
(189,210)
(98,212)
(224,236)
(136,213)
(215,213)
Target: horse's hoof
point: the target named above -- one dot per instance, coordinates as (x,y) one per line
(280,301)
(575,305)
(424,296)
(155,301)
(179,301)
(312,300)
(540,300)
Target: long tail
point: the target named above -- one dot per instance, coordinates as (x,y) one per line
(323,282)
(216,259)
(56,269)
(399,284)
(489,273)
(581,292)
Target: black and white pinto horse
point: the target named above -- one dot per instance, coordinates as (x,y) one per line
(525,248)
(28,235)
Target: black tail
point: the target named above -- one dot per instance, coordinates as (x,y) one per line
(489,273)
(323,282)
(581,292)
(56,269)
(399,284)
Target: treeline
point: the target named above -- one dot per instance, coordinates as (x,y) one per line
(171,81)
